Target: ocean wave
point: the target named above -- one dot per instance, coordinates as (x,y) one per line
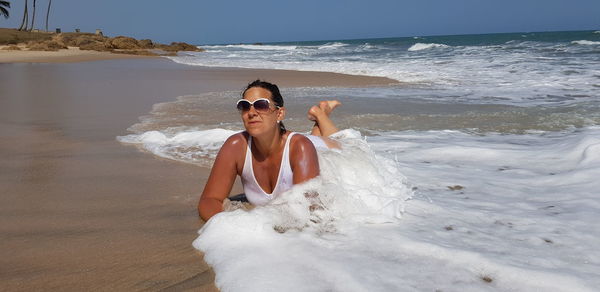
(585,43)
(334,45)
(366,46)
(424,46)
(257,47)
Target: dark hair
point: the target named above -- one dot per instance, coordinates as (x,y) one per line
(275,95)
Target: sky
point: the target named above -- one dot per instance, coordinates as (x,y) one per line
(242,21)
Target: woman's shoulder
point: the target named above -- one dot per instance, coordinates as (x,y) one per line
(236,141)
(300,143)
(298,138)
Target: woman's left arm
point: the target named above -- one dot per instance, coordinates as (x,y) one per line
(303,159)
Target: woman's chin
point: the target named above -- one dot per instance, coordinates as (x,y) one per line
(256,131)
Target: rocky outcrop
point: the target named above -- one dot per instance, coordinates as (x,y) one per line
(50,45)
(78,39)
(119,44)
(146,44)
(124,43)
(179,46)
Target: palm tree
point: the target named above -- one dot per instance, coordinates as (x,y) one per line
(33,16)
(48,13)
(3,10)
(25,21)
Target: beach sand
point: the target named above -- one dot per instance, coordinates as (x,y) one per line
(70,55)
(79,210)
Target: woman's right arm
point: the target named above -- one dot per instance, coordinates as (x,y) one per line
(221,179)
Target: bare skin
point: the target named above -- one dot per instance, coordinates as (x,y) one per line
(267,150)
(320,114)
(323,126)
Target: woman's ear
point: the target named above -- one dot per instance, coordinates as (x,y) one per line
(281,114)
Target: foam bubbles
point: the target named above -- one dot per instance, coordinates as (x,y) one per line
(255,47)
(422,46)
(585,43)
(492,213)
(290,236)
(188,146)
(508,68)
(329,46)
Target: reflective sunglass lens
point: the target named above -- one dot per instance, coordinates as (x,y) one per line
(261,105)
(243,105)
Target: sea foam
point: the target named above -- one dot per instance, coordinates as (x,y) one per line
(505,69)
(289,235)
(487,212)
(188,146)
(422,46)
(509,222)
(585,42)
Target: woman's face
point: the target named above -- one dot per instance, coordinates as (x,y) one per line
(260,122)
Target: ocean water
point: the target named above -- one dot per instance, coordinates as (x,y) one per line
(478,171)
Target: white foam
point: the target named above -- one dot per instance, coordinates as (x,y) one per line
(329,46)
(585,43)
(256,47)
(188,146)
(355,187)
(524,220)
(509,73)
(423,46)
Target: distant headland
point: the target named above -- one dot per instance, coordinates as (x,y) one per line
(15,40)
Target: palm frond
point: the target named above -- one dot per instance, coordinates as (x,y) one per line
(3,12)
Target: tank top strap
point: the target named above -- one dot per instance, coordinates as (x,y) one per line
(286,176)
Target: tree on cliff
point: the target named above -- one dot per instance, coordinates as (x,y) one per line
(48,13)
(3,8)
(25,21)
(33,16)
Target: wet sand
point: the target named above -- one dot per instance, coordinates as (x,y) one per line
(80,211)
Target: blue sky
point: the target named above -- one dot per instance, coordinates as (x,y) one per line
(233,21)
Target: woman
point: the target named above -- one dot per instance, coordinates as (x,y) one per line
(268,158)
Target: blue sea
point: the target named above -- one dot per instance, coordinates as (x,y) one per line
(517,68)
(475,170)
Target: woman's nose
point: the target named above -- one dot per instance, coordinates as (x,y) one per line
(252,111)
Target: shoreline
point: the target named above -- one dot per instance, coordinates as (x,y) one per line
(85,212)
(74,55)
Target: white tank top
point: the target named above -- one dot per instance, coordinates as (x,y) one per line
(254,193)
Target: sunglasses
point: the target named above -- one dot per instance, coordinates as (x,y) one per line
(260,105)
